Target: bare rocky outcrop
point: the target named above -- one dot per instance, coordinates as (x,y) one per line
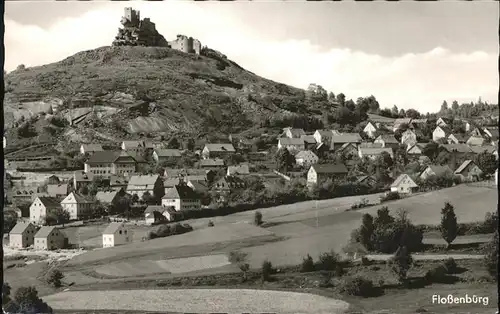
(137,32)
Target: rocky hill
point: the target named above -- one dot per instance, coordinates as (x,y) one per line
(116,92)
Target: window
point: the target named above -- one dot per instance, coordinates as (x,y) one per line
(120,232)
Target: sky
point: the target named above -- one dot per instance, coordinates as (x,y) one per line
(409,54)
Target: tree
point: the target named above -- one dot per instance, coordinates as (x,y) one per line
(487,162)
(366,231)
(412,113)
(267,270)
(21,67)
(454,106)
(449,226)
(341,99)
(444,107)
(58,216)
(149,199)
(27,301)
(284,160)
(491,256)
(383,217)
(258,218)
(54,277)
(395,111)
(173,143)
(190,145)
(431,150)
(401,263)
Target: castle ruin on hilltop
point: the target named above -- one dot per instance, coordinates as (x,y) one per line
(137,32)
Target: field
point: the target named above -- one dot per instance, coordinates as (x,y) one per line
(198,300)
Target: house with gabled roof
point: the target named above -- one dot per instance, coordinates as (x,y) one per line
(366,180)
(90,148)
(116,233)
(349,150)
(387,140)
(321,172)
(492,133)
(435,170)
(324,136)
(404,185)
(164,155)
(156,213)
(140,184)
(415,150)
(456,138)
(41,207)
(398,123)
(469,171)
(49,238)
(110,197)
(181,197)
(292,144)
(475,141)
(200,186)
(374,152)
(217,150)
(58,190)
(22,235)
(292,132)
(77,205)
(209,163)
(409,137)
(81,179)
(338,140)
(486,148)
(440,132)
(444,122)
(241,169)
(228,184)
(370,129)
(133,146)
(458,149)
(26,194)
(309,141)
(306,158)
(106,163)
(117,182)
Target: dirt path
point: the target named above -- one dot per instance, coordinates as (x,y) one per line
(198,300)
(426,257)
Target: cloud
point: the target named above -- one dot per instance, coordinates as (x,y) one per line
(420,81)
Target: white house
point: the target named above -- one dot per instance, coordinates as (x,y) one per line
(370,129)
(292,144)
(320,172)
(156,213)
(293,133)
(41,206)
(306,158)
(22,235)
(469,171)
(409,137)
(439,133)
(77,205)
(475,141)
(181,197)
(4,142)
(404,184)
(115,234)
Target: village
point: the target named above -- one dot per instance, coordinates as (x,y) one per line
(116,184)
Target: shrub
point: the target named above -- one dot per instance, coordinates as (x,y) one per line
(210,223)
(163,231)
(54,277)
(27,301)
(307,264)
(236,257)
(390,196)
(267,270)
(365,261)
(151,235)
(358,286)
(401,263)
(491,257)
(328,261)
(450,265)
(258,218)
(436,274)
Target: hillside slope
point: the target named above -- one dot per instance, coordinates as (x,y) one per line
(148,90)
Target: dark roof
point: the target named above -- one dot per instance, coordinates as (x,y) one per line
(346,138)
(211,163)
(220,147)
(58,189)
(330,168)
(106,197)
(118,180)
(19,228)
(49,202)
(168,152)
(459,137)
(80,199)
(154,208)
(107,156)
(439,170)
(291,141)
(82,176)
(463,166)
(92,147)
(181,191)
(309,139)
(45,231)
(388,138)
(461,148)
(199,185)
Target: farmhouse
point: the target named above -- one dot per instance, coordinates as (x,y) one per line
(90,148)
(81,179)
(321,172)
(115,234)
(219,150)
(409,137)
(41,206)
(338,140)
(292,144)
(293,133)
(469,171)
(404,184)
(106,163)
(370,129)
(22,235)
(214,164)
(349,150)
(49,238)
(440,132)
(140,184)
(306,158)
(435,170)
(242,169)
(415,150)
(387,140)
(58,190)
(456,138)
(78,206)
(181,197)
(373,153)
(164,155)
